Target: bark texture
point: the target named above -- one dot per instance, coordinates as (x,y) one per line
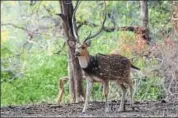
(144,13)
(74,69)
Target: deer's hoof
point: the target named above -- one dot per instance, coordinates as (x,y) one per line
(83,112)
(58,102)
(133,108)
(122,110)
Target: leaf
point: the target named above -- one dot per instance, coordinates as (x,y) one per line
(4,35)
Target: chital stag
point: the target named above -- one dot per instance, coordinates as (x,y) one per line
(102,68)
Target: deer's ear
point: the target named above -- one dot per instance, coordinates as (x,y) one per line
(88,43)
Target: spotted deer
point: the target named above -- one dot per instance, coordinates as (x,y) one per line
(103,68)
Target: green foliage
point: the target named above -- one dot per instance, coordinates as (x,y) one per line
(39,83)
(159,18)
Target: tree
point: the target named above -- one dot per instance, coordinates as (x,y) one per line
(74,69)
(174,17)
(144,19)
(144,13)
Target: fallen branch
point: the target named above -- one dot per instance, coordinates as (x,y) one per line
(136,29)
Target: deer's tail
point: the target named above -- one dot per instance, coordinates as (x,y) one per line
(135,67)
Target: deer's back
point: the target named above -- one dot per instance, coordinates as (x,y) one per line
(109,67)
(114,66)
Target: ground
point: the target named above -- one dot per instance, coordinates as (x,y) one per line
(144,108)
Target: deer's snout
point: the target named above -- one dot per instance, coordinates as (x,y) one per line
(77,53)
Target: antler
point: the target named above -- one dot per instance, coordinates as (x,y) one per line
(73,18)
(89,36)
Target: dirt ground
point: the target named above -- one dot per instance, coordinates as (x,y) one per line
(141,109)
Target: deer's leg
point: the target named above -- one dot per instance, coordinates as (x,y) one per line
(130,84)
(61,91)
(101,87)
(62,81)
(122,104)
(88,92)
(131,96)
(106,90)
(60,95)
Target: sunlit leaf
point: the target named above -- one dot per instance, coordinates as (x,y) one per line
(4,35)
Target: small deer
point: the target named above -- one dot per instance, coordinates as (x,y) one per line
(103,68)
(62,82)
(61,89)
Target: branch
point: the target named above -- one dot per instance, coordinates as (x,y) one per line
(112,29)
(74,29)
(80,24)
(15,26)
(89,37)
(142,31)
(30,34)
(37,7)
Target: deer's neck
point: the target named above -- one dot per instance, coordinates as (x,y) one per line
(84,61)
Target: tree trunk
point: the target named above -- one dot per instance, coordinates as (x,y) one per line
(144,19)
(74,69)
(144,13)
(71,78)
(175,17)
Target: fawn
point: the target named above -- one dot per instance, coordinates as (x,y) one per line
(61,83)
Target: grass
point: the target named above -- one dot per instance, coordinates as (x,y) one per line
(39,84)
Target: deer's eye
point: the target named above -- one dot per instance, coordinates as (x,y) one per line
(83,47)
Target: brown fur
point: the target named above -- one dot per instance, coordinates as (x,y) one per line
(62,82)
